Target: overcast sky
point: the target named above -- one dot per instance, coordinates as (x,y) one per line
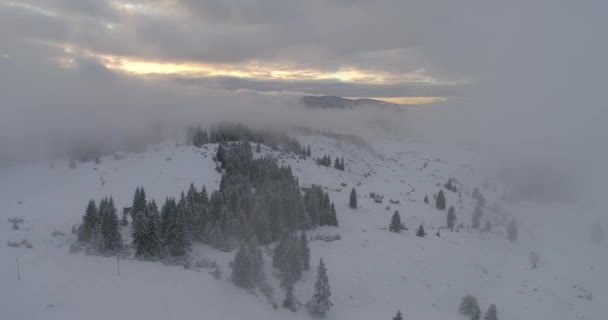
(516,72)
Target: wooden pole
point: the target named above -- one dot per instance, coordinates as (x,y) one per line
(18,271)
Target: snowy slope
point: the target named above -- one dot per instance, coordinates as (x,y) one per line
(372,272)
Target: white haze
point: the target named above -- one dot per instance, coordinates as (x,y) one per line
(536,73)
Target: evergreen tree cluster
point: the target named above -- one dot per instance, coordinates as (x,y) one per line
(230,132)
(339,163)
(324,161)
(157,234)
(257,199)
(197,136)
(100,228)
(469,306)
(321,211)
(248,266)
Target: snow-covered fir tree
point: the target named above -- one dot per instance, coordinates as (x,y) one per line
(243,269)
(492,313)
(451,218)
(89,221)
(320,304)
(353,199)
(420,232)
(469,306)
(440,202)
(398,316)
(477,214)
(109,225)
(304,252)
(395,225)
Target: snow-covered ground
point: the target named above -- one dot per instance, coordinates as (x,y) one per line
(372,272)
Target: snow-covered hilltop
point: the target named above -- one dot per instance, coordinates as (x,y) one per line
(372,271)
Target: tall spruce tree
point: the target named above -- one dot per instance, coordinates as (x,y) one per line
(451,218)
(398,316)
(286,285)
(440,202)
(491,314)
(242,269)
(304,252)
(469,306)
(320,304)
(110,227)
(89,221)
(426,199)
(395,225)
(477,214)
(353,199)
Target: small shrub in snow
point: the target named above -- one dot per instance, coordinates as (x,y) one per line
(13,244)
(216,273)
(26,243)
(327,238)
(534,258)
(57,233)
(16,221)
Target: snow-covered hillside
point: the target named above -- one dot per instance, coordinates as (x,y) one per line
(372,272)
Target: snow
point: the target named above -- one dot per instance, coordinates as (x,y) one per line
(372,272)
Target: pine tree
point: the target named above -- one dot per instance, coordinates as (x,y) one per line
(337,163)
(398,316)
(470,307)
(304,251)
(488,226)
(320,303)
(440,201)
(512,230)
(242,269)
(477,214)
(153,245)
(491,314)
(353,199)
(420,232)
(308,153)
(451,218)
(89,221)
(395,225)
(426,199)
(109,227)
(287,286)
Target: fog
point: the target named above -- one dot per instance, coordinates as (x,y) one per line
(529,75)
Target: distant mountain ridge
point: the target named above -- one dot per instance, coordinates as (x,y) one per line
(327,102)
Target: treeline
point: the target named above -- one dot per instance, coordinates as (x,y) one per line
(228,132)
(257,199)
